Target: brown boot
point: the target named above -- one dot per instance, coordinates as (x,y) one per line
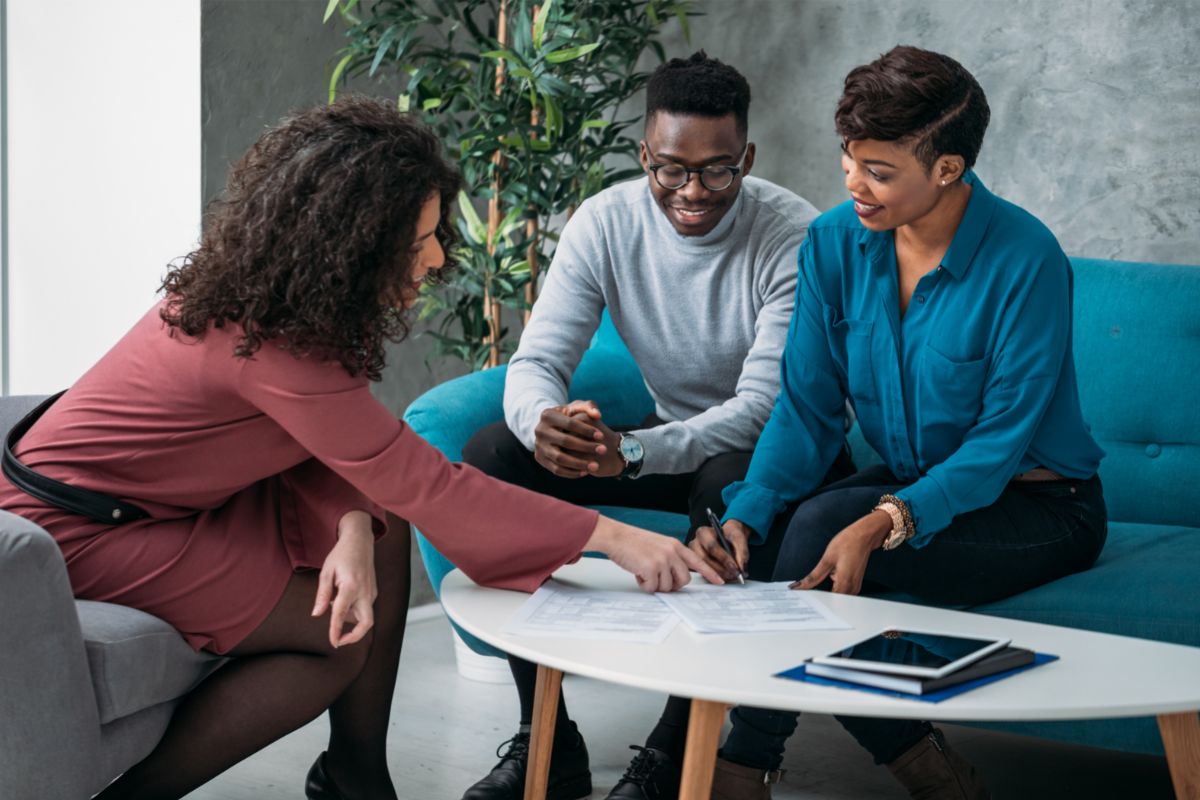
(734,782)
(930,770)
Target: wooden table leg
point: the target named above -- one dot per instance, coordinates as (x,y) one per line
(541,740)
(700,757)
(1181,740)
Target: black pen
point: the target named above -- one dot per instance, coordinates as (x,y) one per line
(716,526)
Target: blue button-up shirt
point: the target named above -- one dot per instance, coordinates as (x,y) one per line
(974,384)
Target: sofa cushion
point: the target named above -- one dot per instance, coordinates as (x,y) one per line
(1142,585)
(136,659)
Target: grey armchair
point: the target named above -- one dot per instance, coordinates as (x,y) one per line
(86,688)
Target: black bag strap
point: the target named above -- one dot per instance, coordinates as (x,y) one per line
(93,505)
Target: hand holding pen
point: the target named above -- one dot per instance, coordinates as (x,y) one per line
(718,550)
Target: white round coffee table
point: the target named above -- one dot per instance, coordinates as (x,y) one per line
(1097,675)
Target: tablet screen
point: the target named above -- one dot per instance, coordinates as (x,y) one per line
(910,648)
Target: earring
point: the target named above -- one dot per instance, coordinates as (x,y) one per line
(943,183)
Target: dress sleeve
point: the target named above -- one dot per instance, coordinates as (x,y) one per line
(498,534)
(1021,381)
(805,430)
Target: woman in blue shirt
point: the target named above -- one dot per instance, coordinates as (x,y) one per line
(943,314)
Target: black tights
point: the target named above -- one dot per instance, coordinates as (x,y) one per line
(282,676)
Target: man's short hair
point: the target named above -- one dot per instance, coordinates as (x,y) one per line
(699,85)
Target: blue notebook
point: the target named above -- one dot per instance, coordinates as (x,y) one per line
(800,674)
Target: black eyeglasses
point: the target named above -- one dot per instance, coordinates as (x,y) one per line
(715,177)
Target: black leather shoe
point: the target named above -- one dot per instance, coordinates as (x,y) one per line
(652,775)
(318,785)
(570,778)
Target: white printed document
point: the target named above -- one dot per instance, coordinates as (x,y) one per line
(753,608)
(572,612)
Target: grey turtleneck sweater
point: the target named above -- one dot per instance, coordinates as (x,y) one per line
(704,316)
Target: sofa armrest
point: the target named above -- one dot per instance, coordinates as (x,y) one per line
(48,709)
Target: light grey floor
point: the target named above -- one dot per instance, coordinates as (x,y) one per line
(445,730)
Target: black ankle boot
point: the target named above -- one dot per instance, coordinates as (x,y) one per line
(318,785)
(652,775)
(570,778)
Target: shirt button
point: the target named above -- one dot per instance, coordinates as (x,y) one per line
(1153,451)
(920,298)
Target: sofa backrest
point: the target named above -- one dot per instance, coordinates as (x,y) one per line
(1137,351)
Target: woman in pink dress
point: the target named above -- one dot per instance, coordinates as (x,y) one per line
(237,414)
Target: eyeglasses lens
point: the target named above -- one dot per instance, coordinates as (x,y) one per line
(715,179)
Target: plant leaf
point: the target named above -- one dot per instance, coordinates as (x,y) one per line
(329,9)
(571,53)
(539,24)
(595,123)
(404,102)
(507,55)
(431,104)
(512,220)
(384,43)
(681,14)
(337,75)
(474,223)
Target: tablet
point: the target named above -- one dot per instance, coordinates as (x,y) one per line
(925,654)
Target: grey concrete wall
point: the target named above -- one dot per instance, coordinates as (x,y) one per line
(1095,103)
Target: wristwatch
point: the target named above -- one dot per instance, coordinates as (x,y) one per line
(900,532)
(631,450)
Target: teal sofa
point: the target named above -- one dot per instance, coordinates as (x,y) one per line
(1137,349)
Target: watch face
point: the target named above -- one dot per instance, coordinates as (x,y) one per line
(631,449)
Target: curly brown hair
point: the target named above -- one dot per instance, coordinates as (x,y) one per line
(312,239)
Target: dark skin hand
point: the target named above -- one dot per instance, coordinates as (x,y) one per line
(572,442)
(845,558)
(707,547)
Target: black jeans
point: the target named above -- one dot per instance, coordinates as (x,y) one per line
(1036,532)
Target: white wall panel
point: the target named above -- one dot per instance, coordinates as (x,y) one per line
(103,173)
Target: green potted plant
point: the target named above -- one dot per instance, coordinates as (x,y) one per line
(526,96)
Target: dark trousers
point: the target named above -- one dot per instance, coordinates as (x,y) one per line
(1036,532)
(495,451)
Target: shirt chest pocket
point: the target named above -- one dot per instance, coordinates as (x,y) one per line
(854,339)
(950,392)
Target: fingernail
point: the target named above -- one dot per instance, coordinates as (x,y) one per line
(794,584)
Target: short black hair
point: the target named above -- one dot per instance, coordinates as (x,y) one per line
(915,96)
(699,85)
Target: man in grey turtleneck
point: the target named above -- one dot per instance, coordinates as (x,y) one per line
(696,264)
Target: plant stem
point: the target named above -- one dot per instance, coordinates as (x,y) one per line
(491,307)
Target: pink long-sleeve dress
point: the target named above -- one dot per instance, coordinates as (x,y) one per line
(245,467)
